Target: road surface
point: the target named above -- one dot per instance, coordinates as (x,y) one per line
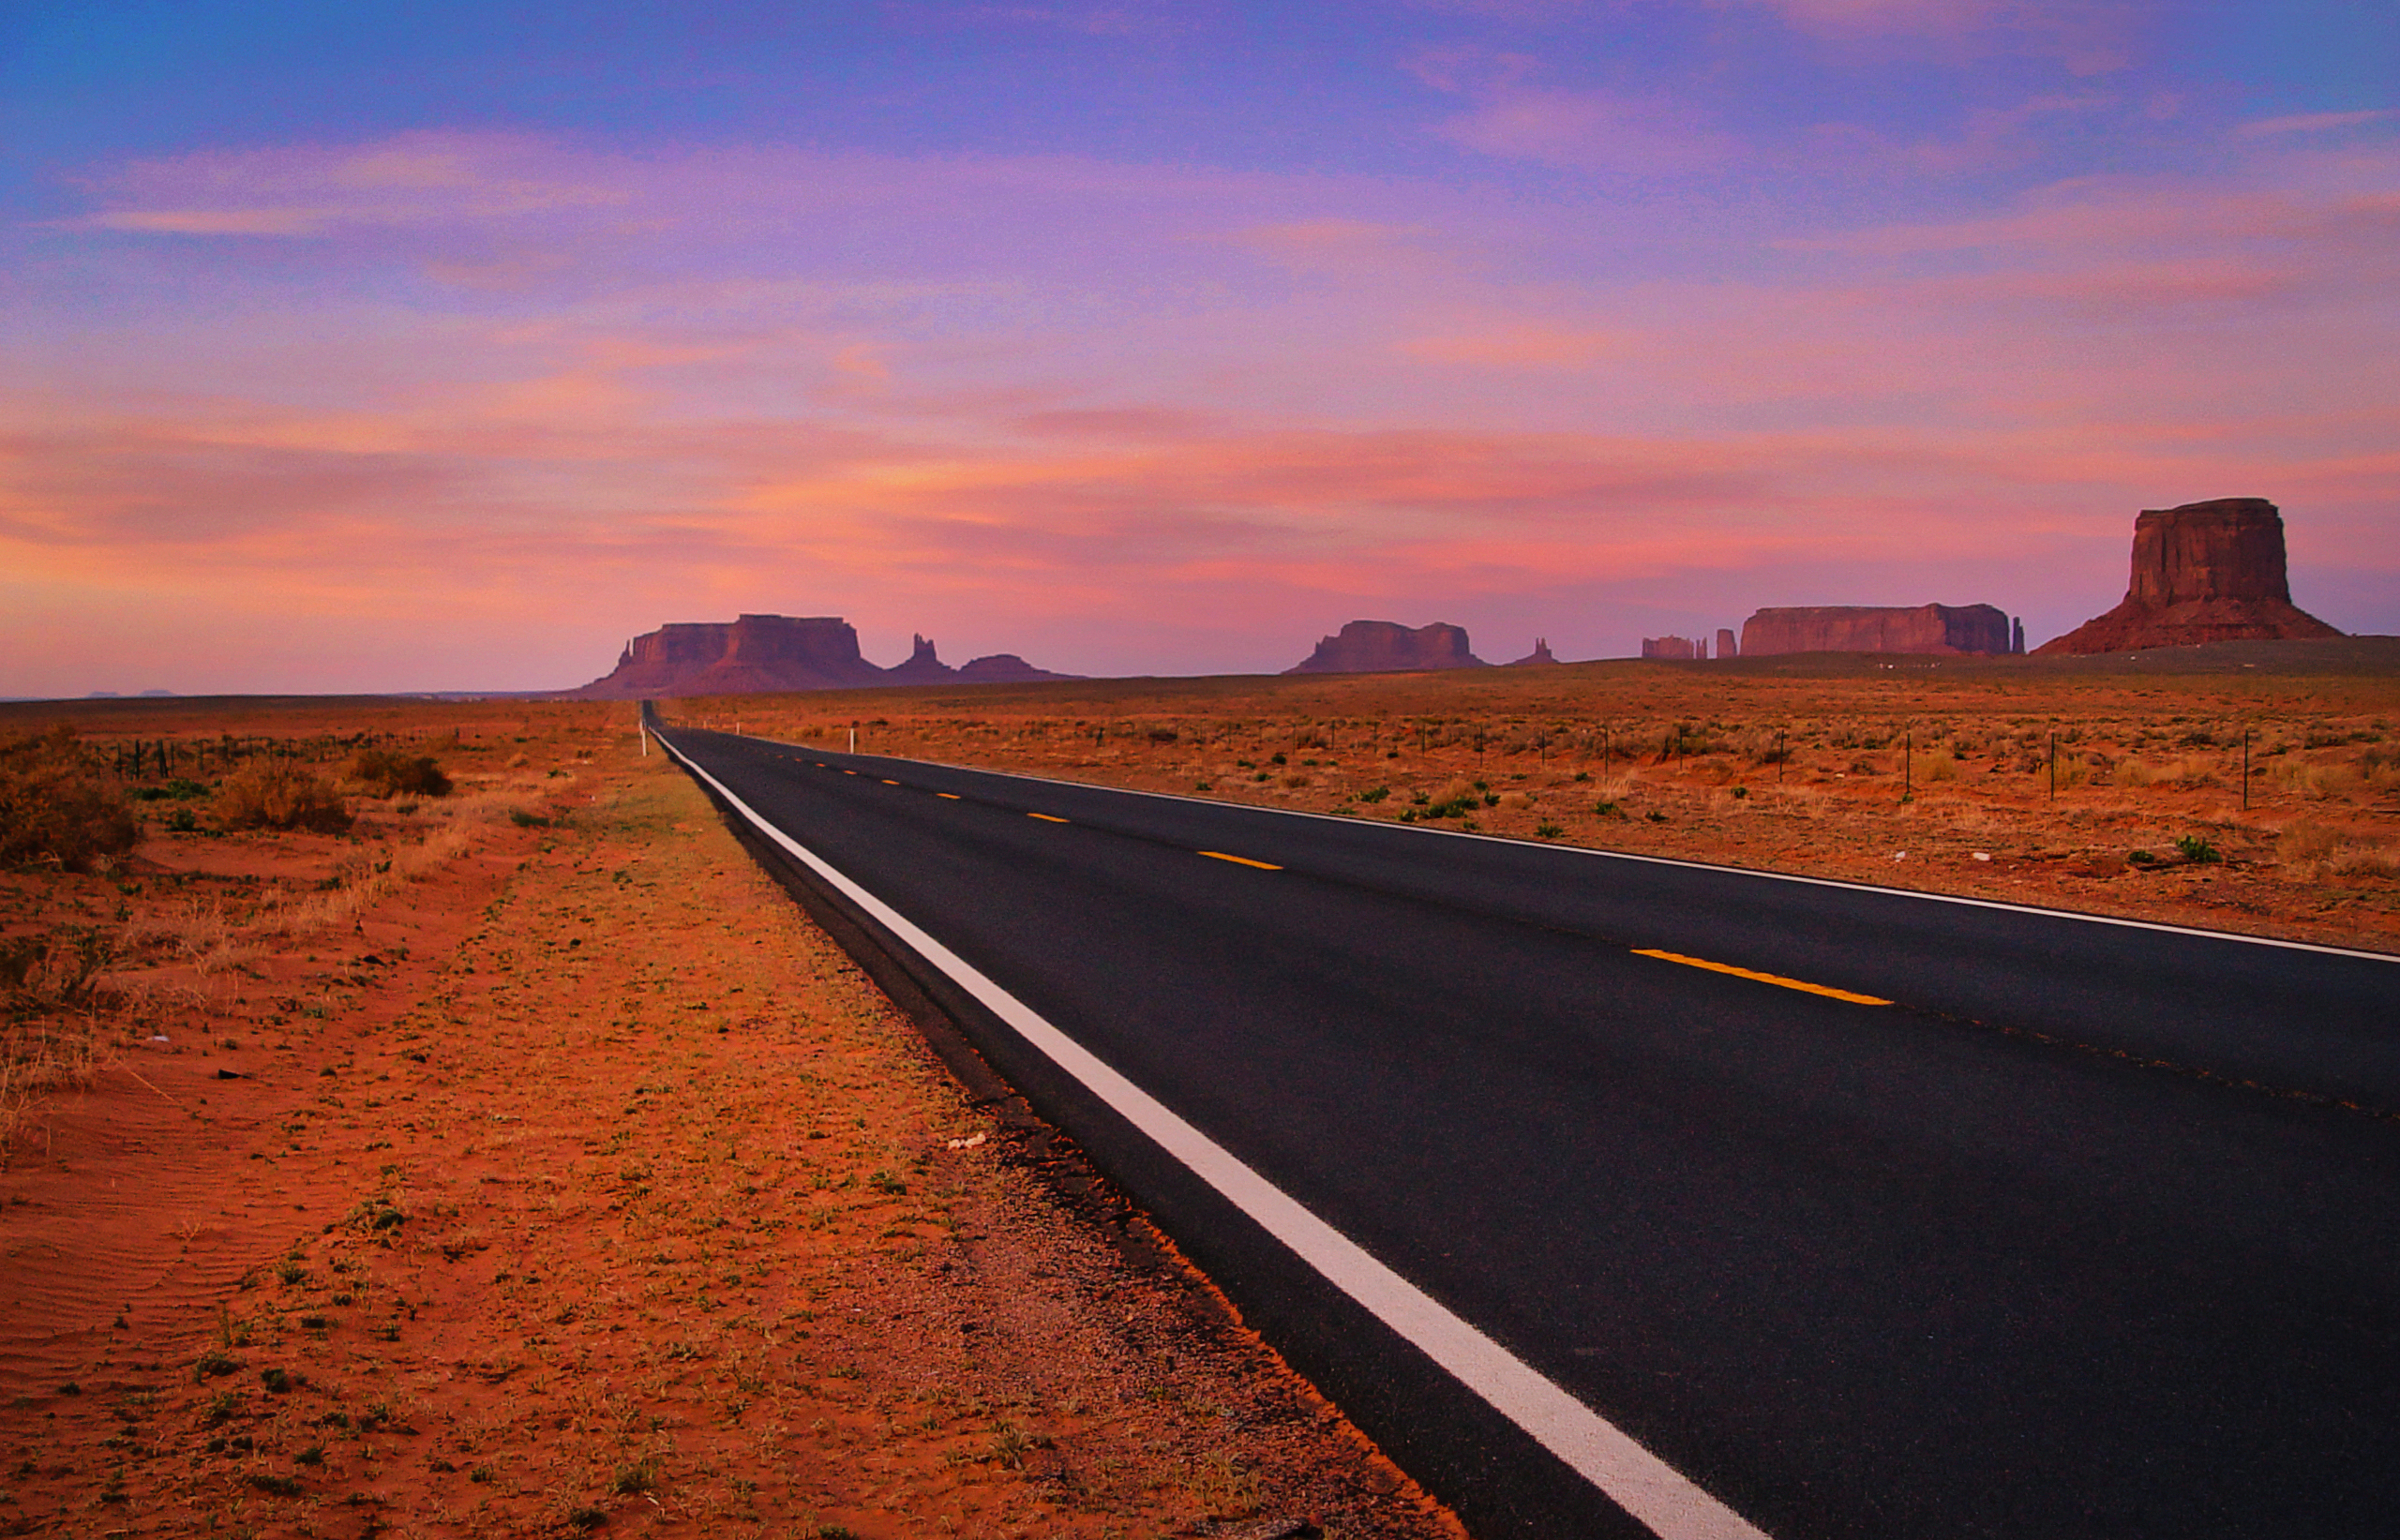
(1619,1196)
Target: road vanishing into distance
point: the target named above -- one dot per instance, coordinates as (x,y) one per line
(1622,1196)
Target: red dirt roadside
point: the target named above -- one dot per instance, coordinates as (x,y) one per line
(585,1186)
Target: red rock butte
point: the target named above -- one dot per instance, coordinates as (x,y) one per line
(1947,629)
(1386,647)
(2206,572)
(761,654)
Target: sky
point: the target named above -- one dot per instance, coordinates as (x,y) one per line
(446,346)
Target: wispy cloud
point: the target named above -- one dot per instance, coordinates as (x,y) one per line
(2314,123)
(1592,131)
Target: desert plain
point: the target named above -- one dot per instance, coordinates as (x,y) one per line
(521,1160)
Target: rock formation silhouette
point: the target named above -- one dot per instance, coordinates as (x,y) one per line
(1386,647)
(2206,572)
(1859,628)
(757,654)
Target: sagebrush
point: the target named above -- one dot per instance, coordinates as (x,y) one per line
(397,774)
(59,805)
(280,794)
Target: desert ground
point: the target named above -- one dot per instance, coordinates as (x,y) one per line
(2111,786)
(521,1161)
(517,1158)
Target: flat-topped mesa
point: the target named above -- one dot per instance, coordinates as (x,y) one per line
(764,654)
(1386,647)
(750,655)
(1945,629)
(1673,647)
(2206,572)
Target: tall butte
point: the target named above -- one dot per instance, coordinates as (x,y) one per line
(2207,572)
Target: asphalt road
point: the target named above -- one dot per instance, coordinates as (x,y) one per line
(2090,1230)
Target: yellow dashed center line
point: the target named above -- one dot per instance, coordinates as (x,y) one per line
(1048,818)
(1763,978)
(951,794)
(1241,860)
(891,783)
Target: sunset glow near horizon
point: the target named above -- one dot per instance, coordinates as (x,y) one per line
(398,348)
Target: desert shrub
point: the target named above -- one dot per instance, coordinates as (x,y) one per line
(2197,849)
(2367,860)
(1454,800)
(2303,842)
(58,805)
(2310,850)
(280,794)
(395,774)
(1941,766)
(55,971)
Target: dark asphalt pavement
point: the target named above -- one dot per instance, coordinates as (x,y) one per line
(2093,1231)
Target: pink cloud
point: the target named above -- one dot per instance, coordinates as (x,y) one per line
(1156,440)
(1522,345)
(2089,37)
(2314,123)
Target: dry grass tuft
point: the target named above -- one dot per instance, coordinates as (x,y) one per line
(360,884)
(49,1035)
(197,930)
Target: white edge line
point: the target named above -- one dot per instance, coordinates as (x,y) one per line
(1646,1486)
(1357,822)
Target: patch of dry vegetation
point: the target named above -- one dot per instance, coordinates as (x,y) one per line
(280,794)
(394,773)
(58,804)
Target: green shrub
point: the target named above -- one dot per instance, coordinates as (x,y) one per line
(2198,850)
(280,794)
(395,774)
(58,805)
